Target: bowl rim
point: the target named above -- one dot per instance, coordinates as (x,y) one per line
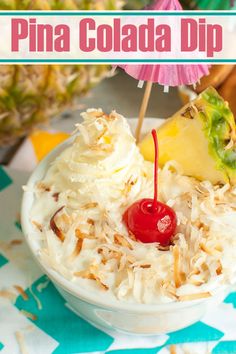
(74,289)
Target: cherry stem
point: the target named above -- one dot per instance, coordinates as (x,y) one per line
(154,204)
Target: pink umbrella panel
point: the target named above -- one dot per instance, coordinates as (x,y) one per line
(167,75)
(171,5)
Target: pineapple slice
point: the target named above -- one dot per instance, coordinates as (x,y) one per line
(201,138)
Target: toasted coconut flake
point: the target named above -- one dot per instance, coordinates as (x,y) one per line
(89,274)
(219,269)
(65,219)
(100,250)
(183,277)
(81,235)
(90,221)
(29,315)
(112,116)
(204,267)
(163,248)
(218,248)
(130,259)
(116,255)
(196,282)
(172,294)
(44,187)
(196,296)
(145,266)
(104,259)
(21,342)
(132,236)
(177,275)
(54,227)
(97,114)
(21,291)
(170,291)
(120,240)
(201,226)
(103,286)
(204,248)
(85,275)
(78,248)
(173,349)
(89,205)
(37,225)
(220,202)
(201,189)
(195,271)
(56,196)
(102,135)
(7,295)
(128,186)
(110,253)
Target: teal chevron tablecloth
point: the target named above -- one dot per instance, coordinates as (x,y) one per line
(214,4)
(34,318)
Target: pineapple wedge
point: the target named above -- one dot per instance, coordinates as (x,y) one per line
(201,137)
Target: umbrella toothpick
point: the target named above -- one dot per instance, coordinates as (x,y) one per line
(164,74)
(143,109)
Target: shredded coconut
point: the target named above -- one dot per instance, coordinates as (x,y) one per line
(97,178)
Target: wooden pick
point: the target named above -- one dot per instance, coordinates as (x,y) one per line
(143,109)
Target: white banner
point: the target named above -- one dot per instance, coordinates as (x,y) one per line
(117,37)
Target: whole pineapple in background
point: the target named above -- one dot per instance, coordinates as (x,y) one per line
(201,137)
(31,94)
(136,4)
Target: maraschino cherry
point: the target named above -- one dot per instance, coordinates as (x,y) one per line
(148,219)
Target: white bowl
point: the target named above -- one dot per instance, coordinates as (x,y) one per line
(95,308)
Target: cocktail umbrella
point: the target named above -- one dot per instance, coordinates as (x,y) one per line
(164,5)
(210,4)
(166,75)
